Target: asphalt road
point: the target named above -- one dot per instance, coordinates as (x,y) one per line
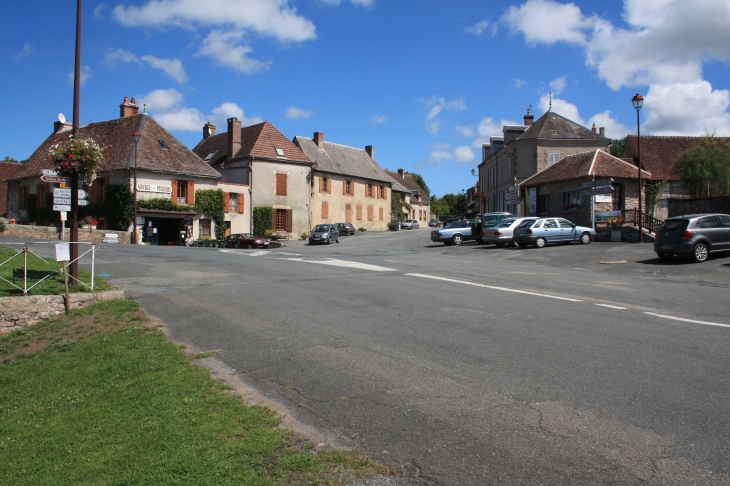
(468,365)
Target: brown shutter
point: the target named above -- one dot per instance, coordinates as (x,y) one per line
(321,184)
(288,220)
(381,214)
(359,211)
(344,187)
(329,186)
(241,202)
(174,191)
(191,193)
(226,202)
(370,213)
(325,210)
(281,184)
(385,192)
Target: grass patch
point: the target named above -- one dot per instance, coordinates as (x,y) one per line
(38,268)
(101,397)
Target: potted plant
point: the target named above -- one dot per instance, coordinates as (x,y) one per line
(616,225)
(79,156)
(89,222)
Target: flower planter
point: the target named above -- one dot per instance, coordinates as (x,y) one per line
(616,235)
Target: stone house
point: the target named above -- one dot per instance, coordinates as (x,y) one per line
(524,150)
(274,171)
(416,201)
(347,184)
(558,189)
(166,169)
(8,170)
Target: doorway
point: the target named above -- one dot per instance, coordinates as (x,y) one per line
(170,231)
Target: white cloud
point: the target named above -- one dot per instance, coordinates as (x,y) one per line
(520,83)
(271,18)
(26,51)
(465,131)
(172,67)
(223,48)
(546,21)
(378,119)
(614,128)
(161,99)
(437,157)
(363,3)
(294,113)
(99,11)
(668,108)
(558,85)
(84,74)
(478,28)
(440,146)
(562,107)
(113,58)
(432,123)
(489,127)
(463,154)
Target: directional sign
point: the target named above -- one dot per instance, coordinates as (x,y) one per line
(598,183)
(513,189)
(46,178)
(61,192)
(49,172)
(598,190)
(61,200)
(511,195)
(83,202)
(61,207)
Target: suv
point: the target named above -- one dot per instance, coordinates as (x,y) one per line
(486,220)
(695,235)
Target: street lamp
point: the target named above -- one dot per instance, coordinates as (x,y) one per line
(638,102)
(136,138)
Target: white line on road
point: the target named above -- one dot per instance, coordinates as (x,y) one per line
(344,263)
(687,320)
(612,306)
(504,289)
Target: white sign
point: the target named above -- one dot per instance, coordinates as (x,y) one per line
(151,188)
(61,207)
(49,172)
(598,190)
(60,192)
(603,198)
(63,253)
(513,189)
(512,195)
(61,200)
(598,183)
(63,215)
(602,215)
(83,202)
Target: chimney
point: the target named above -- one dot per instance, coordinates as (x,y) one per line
(61,127)
(602,131)
(529,118)
(369,150)
(400,171)
(319,139)
(128,108)
(234,138)
(593,128)
(208,130)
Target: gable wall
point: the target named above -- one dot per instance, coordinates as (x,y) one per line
(337,202)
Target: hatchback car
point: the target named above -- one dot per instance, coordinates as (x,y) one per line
(542,231)
(324,233)
(487,220)
(453,233)
(434,223)
(693,235)
(502,233)
(346,229)
(246,240)
(409,224)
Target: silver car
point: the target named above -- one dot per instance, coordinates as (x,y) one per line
(502,233)
(453,233)
(324,233)
(409,224)
(545,231)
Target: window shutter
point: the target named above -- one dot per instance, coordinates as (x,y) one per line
(281,184)
(288,218)
(359,211)
(325,210)
(329,186)
(321,184)
(241,202)
(344,187)
(174,191)
(226,202)
(370,213)
(191,193)
(381,214)
(385,192)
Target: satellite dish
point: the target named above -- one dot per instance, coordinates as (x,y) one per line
(61,118)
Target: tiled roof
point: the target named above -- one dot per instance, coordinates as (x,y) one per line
(554,126)
(115,137)
(7,171)
(341,159)
(658,153)
(258,140)
(407,181)
(397,186)
(584,165)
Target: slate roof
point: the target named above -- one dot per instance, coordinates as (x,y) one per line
(409,184)
(658,153)
(554,126)
(115,137)
(258,140)
(584,165)
(397,186)
(7,171)
(341,159)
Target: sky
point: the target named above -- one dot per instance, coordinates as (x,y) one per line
(425,82)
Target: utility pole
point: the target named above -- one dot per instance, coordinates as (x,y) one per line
(74,223)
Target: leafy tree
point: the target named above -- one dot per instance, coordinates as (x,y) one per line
(9,159)
(396,206)
(419,180)
(706,160)
(451,204)
(618,146)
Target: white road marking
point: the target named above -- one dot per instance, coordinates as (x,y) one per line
(344,263)
(687,320)
(504,289)
(612,306)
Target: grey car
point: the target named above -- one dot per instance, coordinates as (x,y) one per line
(453,233)
(693,235)
(551,230)
(502,233)
(324,233)
(409,224)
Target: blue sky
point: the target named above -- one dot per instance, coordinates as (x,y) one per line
(426,82)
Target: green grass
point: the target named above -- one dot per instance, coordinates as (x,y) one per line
(42,266)
(99,397)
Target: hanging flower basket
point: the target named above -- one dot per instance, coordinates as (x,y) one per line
(77,155)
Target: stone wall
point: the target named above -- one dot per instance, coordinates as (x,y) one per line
(20,312)
(51,233)
(678,207)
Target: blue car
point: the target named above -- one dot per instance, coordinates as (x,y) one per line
(550,231)
(453,233)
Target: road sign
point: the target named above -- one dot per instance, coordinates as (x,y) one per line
(61,207)
(598,190)
(598,183)
(511,196)
(49,172)
(61,192)
(83,202)
(46,178)
(61,200)
(513,189)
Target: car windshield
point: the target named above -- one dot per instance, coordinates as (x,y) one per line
(321,228)
(526,224)
(675,225)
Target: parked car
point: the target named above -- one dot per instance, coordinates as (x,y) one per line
(502,233)
(434,223)
(324,233)
(346,228)
(693,235)
(409,224)
(453,233)
(542,231)
(246,240)
(487,220)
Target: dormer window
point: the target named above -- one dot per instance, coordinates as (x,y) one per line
(210,156)
(163,144)
(280,152)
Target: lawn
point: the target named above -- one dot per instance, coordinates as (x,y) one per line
(39,265)
(102,397)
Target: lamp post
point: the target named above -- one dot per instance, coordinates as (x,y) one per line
(136,138)
(638,102)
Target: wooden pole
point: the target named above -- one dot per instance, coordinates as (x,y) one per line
(74,223)
(65,286)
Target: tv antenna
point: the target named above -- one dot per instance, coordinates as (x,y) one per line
(529,109)
(61,118)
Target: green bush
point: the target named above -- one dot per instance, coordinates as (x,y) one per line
(211,202)
(162,204)
(118,207)
(262,220)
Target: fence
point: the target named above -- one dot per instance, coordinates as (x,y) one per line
(708,189)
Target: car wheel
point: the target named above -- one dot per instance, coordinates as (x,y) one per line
(700,253)
(540,242)
(337,240)
(665,256)
(250,246)
(457,239)
(585,238)
(522,245)
(499,245)
(328,240)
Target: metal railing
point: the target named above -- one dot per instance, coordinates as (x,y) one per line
(633,216)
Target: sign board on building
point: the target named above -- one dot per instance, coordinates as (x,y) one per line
(603,198)
(513,189)
(533,201)
(602,215)
(59,180)
(61,192)
(598,183)
(598,190)
(511,196)
(62,207)
(153,188)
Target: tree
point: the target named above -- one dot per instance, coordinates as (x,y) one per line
(452,204)
(419,180)
(618,146)
(9,159)
(706,160)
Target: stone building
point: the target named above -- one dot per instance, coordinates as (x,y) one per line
(416,201)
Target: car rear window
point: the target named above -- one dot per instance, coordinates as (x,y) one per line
(675,225)
(506,223)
